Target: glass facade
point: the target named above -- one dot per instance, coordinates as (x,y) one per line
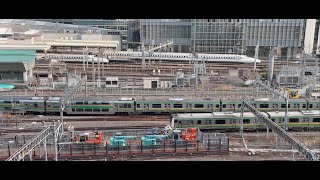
(226,36)
(156,31)
(316,45)
(285,34)
(219,36)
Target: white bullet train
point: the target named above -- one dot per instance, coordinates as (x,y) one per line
(75,58)
(232,58)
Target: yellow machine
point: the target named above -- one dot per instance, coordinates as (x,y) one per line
(293,94)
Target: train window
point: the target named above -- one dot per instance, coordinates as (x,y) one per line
(35,105)
(283,105)
(79,109)
(88,110)
(264,105)
(198,106)
(246,121)
(85,102)
(105,110)
(293,120)
(224,105)
(220,121)
(316,119)
(273,120)
(209,121)
(288,105)
(73,109)
(188,122)
(177,105)
(217,105)
(310,105)
(239,105)
(304,105)
(108,82)
(156,105)
(129,105)
(105,103)
(138,105)
(7,101)
(96,110)
(199,122)
(230,105)
(175,121)
(125,105)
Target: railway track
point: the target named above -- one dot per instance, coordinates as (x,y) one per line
(30,130)
(98,118)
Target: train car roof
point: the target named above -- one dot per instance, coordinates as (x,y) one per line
(98,99)
(177,100)
(311,112)
(30,100)
(212,115)
(6,98)
(276,100)
(282,113)
(313,100)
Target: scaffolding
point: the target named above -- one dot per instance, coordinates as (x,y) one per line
(69,94)
(305,151)
(41,137)
(274,92)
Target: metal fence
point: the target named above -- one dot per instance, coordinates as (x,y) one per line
(209,144)
(234,93)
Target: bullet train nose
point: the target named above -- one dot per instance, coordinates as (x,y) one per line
(251,60)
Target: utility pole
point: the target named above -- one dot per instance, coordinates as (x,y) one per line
(302,68)
(143,58)
(256,56)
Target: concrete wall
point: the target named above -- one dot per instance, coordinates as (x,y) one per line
(20,40)
(233,72)
(309,35)
(147,82)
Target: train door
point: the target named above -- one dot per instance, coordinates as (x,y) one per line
(233,107)
(188,108)
(145,107)
(117,108)
(167,107)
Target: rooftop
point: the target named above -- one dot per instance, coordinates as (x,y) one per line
(10,56)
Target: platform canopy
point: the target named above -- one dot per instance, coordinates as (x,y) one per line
(16,56)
